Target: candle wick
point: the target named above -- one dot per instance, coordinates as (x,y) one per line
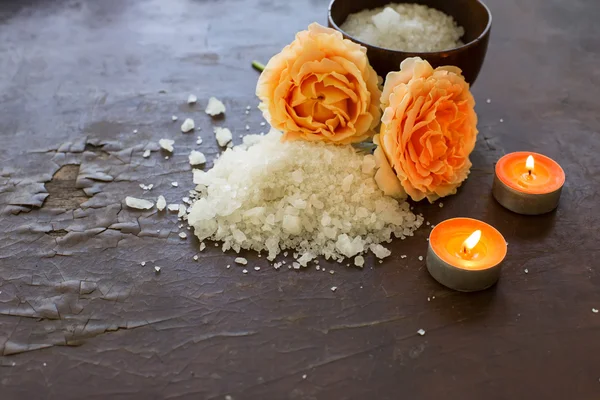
(529,172)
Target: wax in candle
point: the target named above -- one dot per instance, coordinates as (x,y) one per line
(546,176)
(447,240)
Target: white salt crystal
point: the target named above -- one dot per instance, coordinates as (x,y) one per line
(157,269)
(199,141)
(174,184)
(215,107)
(330,271)
(223,136)
(420,258)
(187,125)
(173,207)
(245,271)
(228,266)
(247,127)
(182,211)
(594,310)
(386,20)
(333,288)
(143,263)
(501,120)
(196,257)
(263,123)
(488,101)
(526,271)
(359,261)
(202,246)
(304,376)
(347,182)
(197,158)
(166,144)
(161,203)
(421,332)
(241,260)
(379,251)
(182,235)
(174,118)
(192,99)
(257,268)
(146,153)
(139,204)
(296,265)
(441,205)
(368,164)
(292,224)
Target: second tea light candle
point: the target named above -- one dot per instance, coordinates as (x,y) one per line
(528,183)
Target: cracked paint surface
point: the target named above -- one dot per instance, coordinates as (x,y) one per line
(80,317)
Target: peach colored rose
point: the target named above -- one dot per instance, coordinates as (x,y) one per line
(428,130)
(321,87)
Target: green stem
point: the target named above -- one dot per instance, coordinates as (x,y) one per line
(258,66)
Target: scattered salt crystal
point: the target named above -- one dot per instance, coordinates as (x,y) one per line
(174,184)
(166,157)
(174,118)
(429,299)
(296,265)
(202,246)
(241,260)
(173,207)
(285,253)
(214,107)
(595,311)
(248,107)
(359,261)
(420,258)
(166,144)
(247,127)
(379,251)
(501,119)
(199,141)
(331,271)
(182,211)
(257,268)
(143,263)
(421,332)
(139,204)
(304,376)
(135,131)
(161,203)
(187,125)
(228,266)
(333,288)
(247,112)
(263,123)
(318,268)
(157,269)
(488,101)
(245,271)
(380,262)
(223,136)
(192,99)
(526,271)
(441,205)
(197,158)
(195,257)
(146,153)
(182,235)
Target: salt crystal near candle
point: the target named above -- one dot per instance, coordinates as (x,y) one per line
(465,254)
(528,183)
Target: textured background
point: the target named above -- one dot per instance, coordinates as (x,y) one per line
(80,318)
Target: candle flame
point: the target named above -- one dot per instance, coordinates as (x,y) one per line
(529,164)
(471,241)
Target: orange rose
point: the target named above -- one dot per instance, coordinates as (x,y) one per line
(428,130)
(321,88)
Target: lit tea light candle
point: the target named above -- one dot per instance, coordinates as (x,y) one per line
(465,254)
(528,183)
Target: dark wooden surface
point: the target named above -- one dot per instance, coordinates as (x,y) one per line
(81,319)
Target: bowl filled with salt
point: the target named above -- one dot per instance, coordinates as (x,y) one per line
(440,31)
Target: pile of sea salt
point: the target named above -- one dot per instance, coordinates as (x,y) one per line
(405,27)
(315,199)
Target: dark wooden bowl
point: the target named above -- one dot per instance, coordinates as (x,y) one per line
(472,15)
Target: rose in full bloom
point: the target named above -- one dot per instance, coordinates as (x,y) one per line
(321,87)
(428,131)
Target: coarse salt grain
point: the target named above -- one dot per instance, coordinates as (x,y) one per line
(182,235)
(174,118)
(157,269)
(161,203)
(241,260)
(147,153)
(333,288)
(202,246)
(215,107)
(245,271)
(407,27)
(420,258)
(195,257)
(421,332)
(276,208)
(196,158)
(594,310)
(359,261)
(166,144)
(526,271)
(257,268)
(223,136)
(139,204)
(143,263)
(188,125)
(192,99)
